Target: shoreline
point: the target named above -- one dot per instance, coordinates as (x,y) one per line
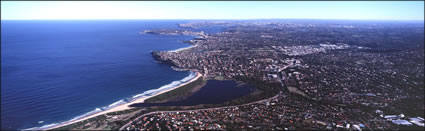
(182,49)
(124,106)
(119,107)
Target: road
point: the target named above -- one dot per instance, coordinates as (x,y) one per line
(215,108)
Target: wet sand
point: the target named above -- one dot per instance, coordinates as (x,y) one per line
(121,107)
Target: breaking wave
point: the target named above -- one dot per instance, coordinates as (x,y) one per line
(123,101)
(165,87)
(181,49)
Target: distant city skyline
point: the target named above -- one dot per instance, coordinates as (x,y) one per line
(351,10)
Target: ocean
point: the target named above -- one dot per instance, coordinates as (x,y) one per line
(53,71)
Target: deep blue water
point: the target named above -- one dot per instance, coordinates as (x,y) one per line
(214,92)
(53,71)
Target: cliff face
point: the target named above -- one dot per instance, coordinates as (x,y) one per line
(157,56)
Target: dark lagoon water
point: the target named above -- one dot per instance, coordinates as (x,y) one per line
(214,92)
(54,71)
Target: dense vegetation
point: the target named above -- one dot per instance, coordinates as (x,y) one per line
(176,93)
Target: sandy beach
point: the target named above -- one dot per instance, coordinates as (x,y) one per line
(184,48)
(121,107)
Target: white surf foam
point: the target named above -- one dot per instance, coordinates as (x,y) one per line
(184,48)
(165,87)
(42,127)
(58,123)
(123,101)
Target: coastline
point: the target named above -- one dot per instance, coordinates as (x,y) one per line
(119,107)
(123,106)
(182,49)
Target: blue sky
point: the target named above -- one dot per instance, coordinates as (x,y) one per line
(364,10)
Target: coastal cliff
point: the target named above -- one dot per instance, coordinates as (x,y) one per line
(157,56)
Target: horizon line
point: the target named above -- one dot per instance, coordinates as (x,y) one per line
(238,19)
